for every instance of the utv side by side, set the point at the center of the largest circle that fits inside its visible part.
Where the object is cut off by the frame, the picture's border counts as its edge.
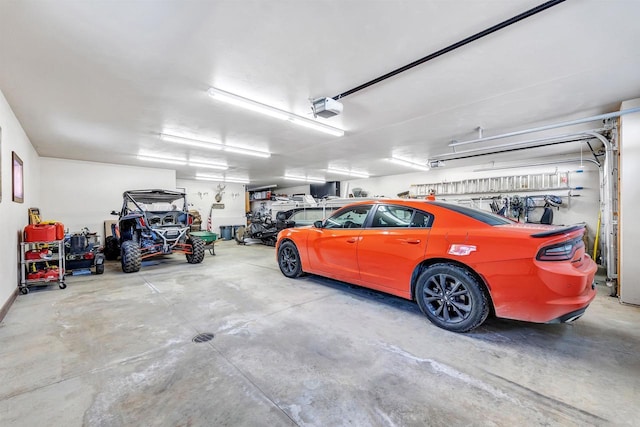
(153, 223)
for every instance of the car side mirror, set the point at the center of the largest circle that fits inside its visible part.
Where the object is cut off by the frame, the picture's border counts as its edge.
(114, 213)
(317, 224)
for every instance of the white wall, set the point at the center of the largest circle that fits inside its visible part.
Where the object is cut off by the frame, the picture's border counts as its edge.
(82, 194)
(629, 205)
(201, 194)
(14, 216)
(583, 207)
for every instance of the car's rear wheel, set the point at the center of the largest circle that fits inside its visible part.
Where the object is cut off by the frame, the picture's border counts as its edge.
(289, 260)
(197, 250)
(451, 298)
(131, 257)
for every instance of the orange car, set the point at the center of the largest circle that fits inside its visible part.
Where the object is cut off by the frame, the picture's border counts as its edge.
(458, 263)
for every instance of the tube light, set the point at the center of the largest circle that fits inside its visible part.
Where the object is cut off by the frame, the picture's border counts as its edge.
(348, 173)
(237, 180)
(162, 160)
(304, 179)
(202, 177)
(247, 151)
(210, 145)
(304, 122)
(409, 163)
(270, 111)
(210, 177)
(208, 165)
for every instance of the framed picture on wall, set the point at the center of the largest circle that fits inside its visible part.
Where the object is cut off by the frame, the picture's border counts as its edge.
(18, 178)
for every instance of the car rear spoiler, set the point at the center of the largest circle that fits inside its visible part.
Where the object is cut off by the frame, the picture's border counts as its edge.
(561, 230)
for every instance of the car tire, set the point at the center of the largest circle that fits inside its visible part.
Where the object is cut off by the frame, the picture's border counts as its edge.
(197, 250)
(289, 260)
(451, 298)
(111, 248)
(131, 258)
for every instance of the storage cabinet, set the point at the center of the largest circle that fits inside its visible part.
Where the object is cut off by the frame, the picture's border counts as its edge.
(41, 263)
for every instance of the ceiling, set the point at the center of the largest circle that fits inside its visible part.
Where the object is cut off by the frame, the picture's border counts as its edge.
(100, 80)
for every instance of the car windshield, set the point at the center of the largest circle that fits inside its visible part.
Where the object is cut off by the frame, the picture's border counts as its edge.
(477, 214)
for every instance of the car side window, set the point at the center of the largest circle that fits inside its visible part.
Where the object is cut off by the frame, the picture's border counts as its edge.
(392, 216)
(421, 220)
(400, 216)
(352, 217)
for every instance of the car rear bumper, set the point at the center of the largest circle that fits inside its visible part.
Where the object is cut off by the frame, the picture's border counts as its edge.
(554, 292)
(569, 317)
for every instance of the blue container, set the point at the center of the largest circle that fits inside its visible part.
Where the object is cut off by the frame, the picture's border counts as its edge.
(226, 231)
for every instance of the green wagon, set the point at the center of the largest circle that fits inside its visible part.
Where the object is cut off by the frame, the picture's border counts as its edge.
(209, 239)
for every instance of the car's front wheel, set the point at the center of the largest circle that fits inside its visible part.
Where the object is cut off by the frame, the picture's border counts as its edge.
(289, 260)
(451, 298)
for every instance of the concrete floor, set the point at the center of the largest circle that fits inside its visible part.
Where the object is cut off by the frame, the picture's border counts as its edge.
(117, 350)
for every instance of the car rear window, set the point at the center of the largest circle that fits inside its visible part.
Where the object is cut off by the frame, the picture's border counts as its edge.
(482, 216)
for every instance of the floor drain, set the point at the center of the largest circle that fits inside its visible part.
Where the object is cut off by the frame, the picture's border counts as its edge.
(204, 337)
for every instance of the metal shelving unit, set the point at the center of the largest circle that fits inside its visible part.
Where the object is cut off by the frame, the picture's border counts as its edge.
(56, 261)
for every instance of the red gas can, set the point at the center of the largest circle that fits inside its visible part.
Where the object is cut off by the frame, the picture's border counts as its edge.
(39, 233)
(59, 228)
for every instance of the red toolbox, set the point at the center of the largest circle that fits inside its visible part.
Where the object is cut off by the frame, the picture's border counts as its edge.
(39, 233)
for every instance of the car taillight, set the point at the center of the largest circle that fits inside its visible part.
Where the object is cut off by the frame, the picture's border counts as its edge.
(142, 223)
(561, 251)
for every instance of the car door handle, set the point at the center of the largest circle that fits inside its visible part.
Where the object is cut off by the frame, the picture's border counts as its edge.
(352, 240)
(411, 241)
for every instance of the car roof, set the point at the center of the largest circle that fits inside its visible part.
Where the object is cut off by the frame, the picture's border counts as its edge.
(451, 210)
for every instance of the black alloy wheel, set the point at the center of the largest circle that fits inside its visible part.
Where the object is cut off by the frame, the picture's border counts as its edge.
(289, 260)
(451, 298)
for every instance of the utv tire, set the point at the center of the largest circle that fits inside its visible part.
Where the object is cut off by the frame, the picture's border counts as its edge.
(240, 232)
(289, 260)
(197, 250)
(130, 257)
(111, 248)
(451, 297)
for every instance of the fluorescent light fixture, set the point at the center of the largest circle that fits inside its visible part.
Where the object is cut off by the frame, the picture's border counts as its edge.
(208, 165)
(209, 177)
(270, 111)
(301, 121)
(247, 104)
(181, 162)
(209, 145)
(263, 187)
(409, 163)
(348, 173)
(247, 151)
(237, 180)
(203, 177)
(304, 179)
(213, 145)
